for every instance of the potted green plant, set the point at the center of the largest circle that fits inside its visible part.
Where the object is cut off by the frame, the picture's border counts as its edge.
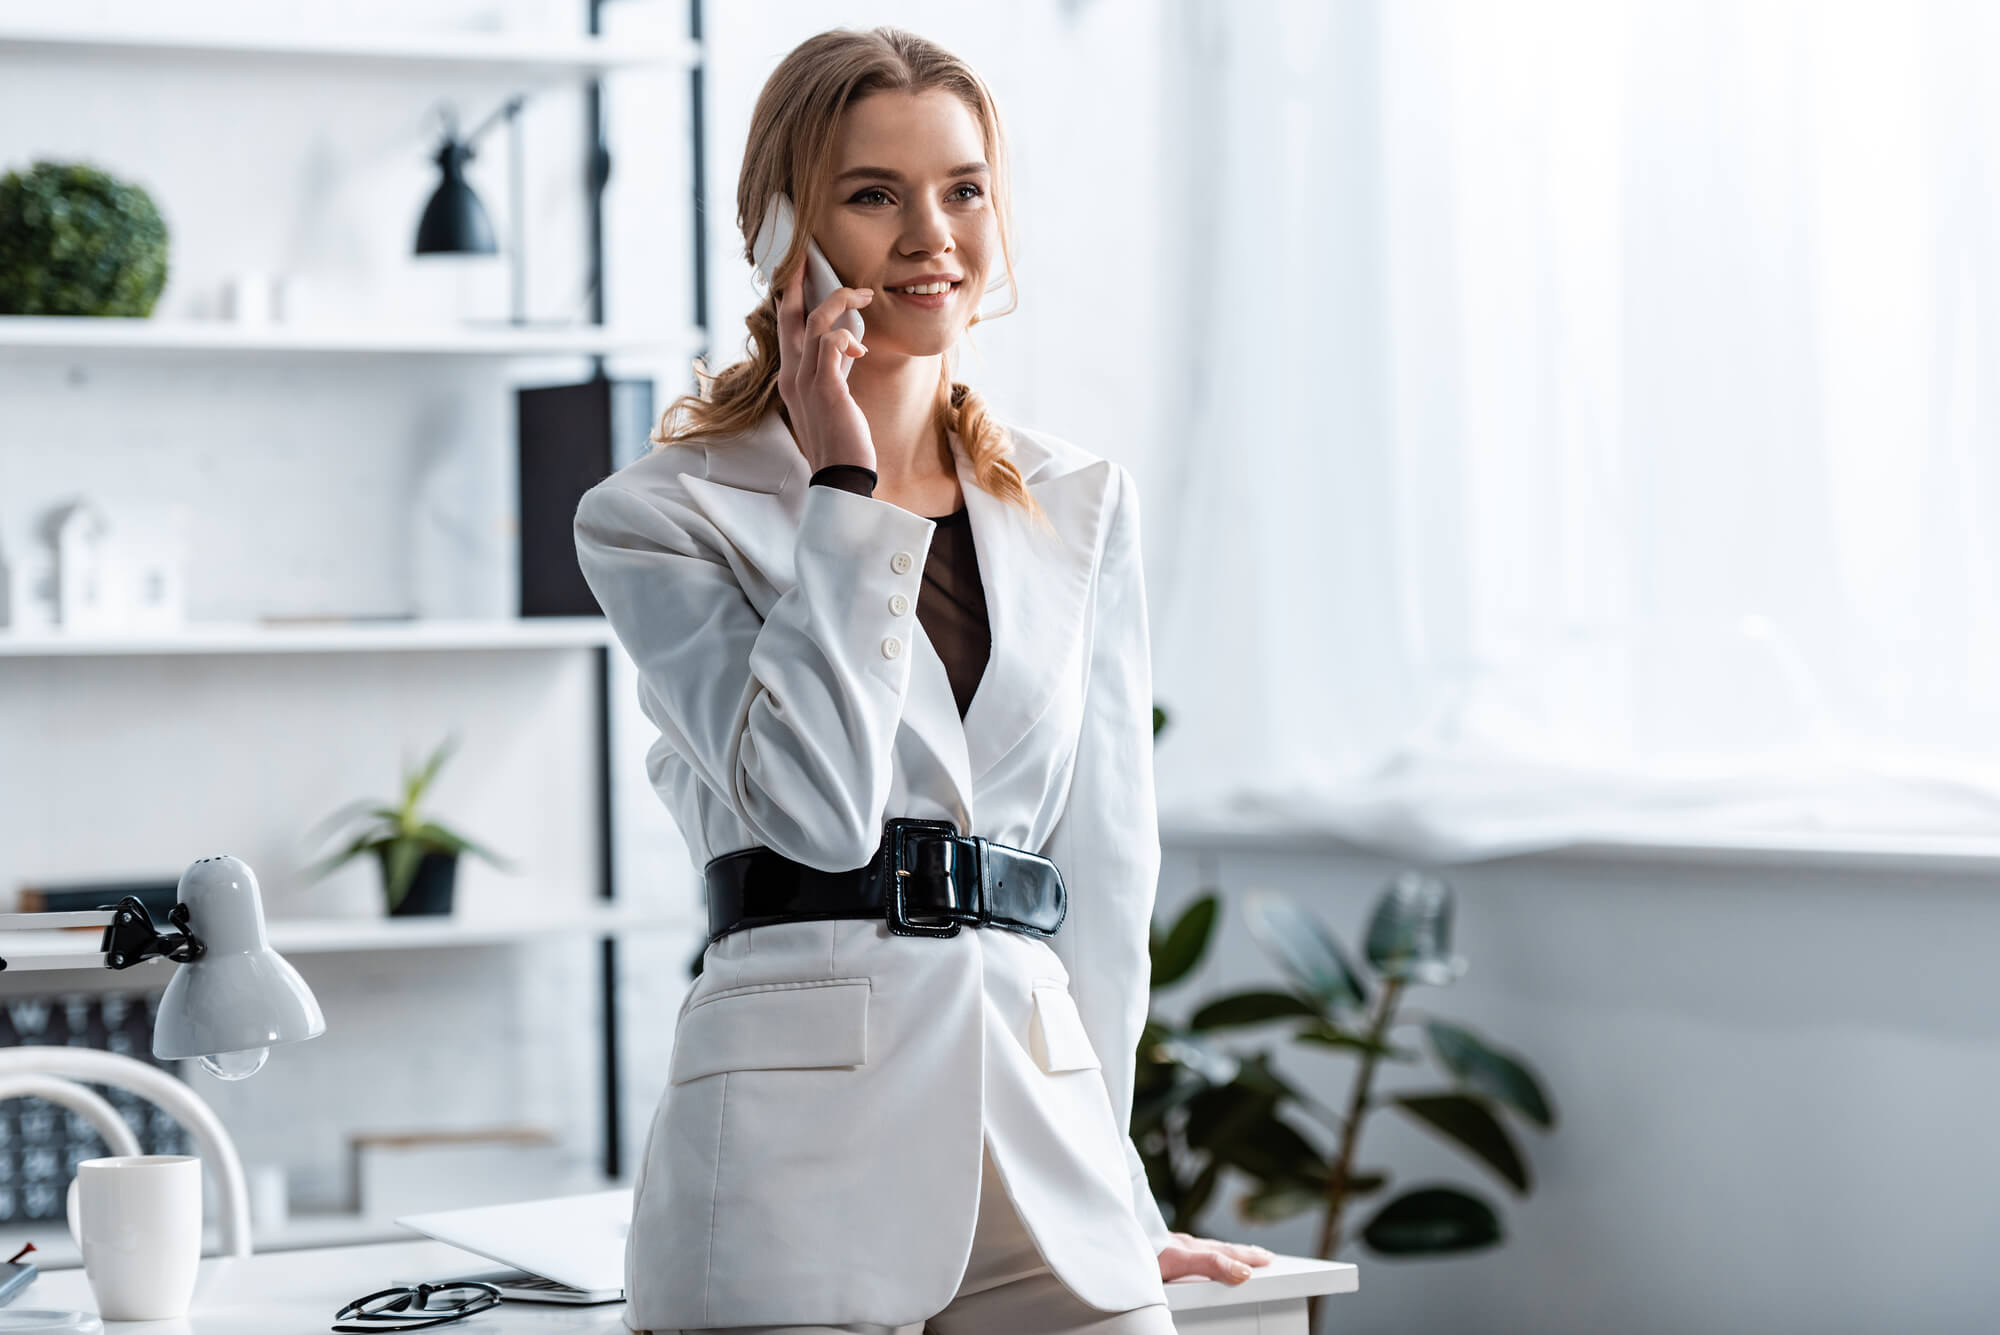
(77, 241)
(1202, 1105)
(418, 856)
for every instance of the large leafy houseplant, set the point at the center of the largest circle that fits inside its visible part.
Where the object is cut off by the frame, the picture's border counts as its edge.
(1201, 1105)
(77, 241)
(398, 834)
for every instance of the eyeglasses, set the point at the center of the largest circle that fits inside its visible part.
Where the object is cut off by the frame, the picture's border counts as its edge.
(414, 1309)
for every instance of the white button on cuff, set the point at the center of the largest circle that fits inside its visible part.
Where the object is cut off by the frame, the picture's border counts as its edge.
(891, 647)
(900, 563)
(898, 604)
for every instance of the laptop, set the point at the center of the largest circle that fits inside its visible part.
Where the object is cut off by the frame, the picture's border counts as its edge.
(566, 1249)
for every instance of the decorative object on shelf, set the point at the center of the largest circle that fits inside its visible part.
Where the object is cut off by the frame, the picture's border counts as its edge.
(456, 223)
(159, 897)
(75, 240)
(1199, 1108)
(571, 438)
(408, 1170)
(419, 857)
(255, 298)
(120, 565)
(27, 585)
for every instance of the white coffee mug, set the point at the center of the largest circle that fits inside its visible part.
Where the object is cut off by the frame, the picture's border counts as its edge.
(137, 1219)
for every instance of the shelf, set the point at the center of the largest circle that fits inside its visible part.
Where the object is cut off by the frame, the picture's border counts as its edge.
(327, 936)
(123, 334)
(222, 637)
(513, 56)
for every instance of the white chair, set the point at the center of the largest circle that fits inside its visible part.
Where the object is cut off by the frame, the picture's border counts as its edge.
(53, 1073)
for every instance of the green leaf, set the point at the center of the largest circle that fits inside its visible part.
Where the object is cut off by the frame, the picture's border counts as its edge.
(1366, 1182)
(333, 862)
(417, 784)
(1250, 1008)
(350, 812)
(1468, 1121)
(1151, 1103)
(1210, 1063)
(1409, 934)
(1222, 1113)
(450, 842)
(1305, 949)
(1487, 1070)
(1333, 1036)
(1265, 1146)
(1432, 1220)
(1254, 1073)
(1184, 944)
(1199, 1193)
(1277, 1201)
(1159, 720)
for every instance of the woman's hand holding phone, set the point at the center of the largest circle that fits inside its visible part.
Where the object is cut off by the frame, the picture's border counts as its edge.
(813, 358)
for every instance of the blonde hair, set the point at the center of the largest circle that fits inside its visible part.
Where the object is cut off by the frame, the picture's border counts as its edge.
(790, 150)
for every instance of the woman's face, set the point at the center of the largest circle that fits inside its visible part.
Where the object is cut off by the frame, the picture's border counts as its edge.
(909, 201)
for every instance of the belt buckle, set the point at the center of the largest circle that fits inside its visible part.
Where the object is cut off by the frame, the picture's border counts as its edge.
(919, 850)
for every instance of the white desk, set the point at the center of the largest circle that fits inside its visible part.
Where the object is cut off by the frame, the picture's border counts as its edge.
(295, 1293)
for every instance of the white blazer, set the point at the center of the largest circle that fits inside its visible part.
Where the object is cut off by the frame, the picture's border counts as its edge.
(816, 1157)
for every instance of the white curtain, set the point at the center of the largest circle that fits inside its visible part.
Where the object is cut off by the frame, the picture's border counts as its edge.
(1588, 421)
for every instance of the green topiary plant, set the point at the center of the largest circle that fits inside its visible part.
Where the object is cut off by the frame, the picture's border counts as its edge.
(76, 241)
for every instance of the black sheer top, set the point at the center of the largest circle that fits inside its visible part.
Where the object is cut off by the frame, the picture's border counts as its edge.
(951, 603)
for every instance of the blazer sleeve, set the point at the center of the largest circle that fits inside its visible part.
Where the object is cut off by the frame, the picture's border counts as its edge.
(790, 717)
(1106, 843)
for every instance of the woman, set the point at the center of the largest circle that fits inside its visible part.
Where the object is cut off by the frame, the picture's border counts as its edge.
(897, 653)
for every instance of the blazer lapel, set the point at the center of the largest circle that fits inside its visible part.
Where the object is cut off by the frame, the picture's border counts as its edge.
(1037, 585)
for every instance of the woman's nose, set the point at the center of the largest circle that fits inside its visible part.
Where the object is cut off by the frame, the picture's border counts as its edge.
(928, 232)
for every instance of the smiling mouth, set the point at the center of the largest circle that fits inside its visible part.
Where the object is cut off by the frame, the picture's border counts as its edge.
(924, 290)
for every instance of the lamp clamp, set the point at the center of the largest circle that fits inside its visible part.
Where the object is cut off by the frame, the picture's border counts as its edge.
(131, 937)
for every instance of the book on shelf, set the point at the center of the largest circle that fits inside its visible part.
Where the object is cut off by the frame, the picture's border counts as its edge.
(82, 896)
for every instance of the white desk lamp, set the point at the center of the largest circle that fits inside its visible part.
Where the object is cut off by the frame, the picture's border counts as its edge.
(230, 1002)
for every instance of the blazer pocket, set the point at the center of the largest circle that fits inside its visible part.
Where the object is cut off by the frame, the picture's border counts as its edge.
(1056, 1038)
(773, 1025)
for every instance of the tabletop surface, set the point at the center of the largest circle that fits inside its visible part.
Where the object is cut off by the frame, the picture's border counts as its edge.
(278, 1293)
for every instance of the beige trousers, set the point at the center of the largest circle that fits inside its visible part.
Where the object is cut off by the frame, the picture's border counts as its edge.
(1008, 1290)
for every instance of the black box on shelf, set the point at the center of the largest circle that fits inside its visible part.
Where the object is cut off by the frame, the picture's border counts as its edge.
(572, 437)
(81, 896)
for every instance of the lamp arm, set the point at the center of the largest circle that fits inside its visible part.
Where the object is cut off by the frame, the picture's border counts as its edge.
(211, 1138)
(507, 110)
(129, 936)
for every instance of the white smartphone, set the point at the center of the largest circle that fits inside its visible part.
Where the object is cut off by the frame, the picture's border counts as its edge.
(774, 238)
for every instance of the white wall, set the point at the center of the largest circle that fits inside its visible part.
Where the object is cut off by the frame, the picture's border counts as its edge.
(1773, 1085)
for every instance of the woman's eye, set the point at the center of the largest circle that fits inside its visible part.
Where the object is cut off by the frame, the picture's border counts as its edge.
(875, 194)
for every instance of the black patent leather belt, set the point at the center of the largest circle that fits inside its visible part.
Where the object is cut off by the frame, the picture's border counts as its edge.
(926, 879)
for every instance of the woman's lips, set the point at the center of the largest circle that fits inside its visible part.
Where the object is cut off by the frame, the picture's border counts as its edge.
(934, 301)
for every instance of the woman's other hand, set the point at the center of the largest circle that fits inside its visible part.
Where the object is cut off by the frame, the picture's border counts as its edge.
(826, 421)
(1230, 1262)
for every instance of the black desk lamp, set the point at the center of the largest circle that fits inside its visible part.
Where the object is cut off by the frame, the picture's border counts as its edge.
(456, 223)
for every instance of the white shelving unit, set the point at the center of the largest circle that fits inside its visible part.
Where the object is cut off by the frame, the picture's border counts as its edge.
(219, 637)
(69, 334)
(525, 62)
